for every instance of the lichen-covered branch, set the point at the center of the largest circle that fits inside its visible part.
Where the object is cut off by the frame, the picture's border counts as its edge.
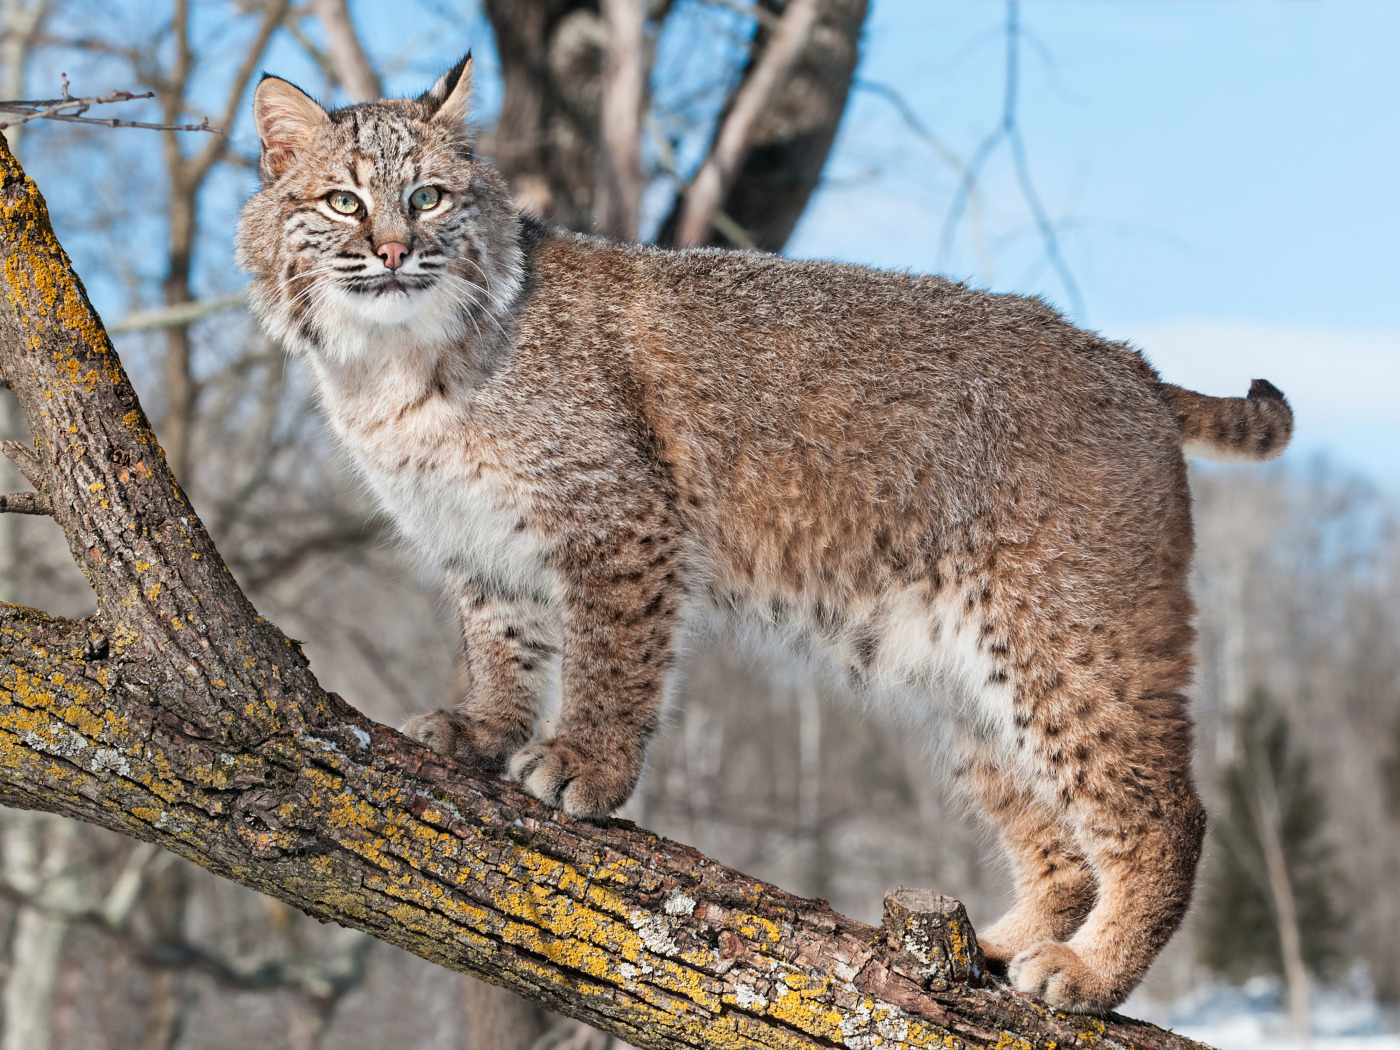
(177, 715)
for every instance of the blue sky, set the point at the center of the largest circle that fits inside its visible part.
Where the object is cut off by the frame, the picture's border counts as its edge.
(1222, 174)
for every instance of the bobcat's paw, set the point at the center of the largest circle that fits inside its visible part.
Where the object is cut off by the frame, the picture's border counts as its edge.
(997, 953)
(1054, 972)
(1004, 939)
(578, 781)
(458, 738)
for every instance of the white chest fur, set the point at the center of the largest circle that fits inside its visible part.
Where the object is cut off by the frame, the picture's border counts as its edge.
(451, 498)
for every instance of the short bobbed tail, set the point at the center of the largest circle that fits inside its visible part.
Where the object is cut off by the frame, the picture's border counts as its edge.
(1232, 429)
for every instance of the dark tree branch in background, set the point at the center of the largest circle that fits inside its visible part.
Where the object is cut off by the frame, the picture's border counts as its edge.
(618, 198)
(179, 716)
(756, 93)
(546, 138)
(568, 113)
(792, 137)
(1009, 129)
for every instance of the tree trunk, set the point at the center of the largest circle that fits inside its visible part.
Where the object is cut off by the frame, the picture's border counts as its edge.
(788, 145)
(176, 715)
(498, 1019)
(1268, 822)
(618, 197)
(546, 139)
(765, 78)
(37, 862)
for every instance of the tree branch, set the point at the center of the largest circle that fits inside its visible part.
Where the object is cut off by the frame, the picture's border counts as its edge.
(25, 503)
(347, 57)
(273, 14)
(717, 172)
(178, 716)
(1009, 128)
(179, 314)
(25, 462)
(789, 143)
(618, 197)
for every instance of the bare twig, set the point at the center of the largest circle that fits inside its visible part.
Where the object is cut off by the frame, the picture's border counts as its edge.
(25, 503)
(1009, 129)
(179, 314)
(946, 154)
(72, 110)
(316, 53)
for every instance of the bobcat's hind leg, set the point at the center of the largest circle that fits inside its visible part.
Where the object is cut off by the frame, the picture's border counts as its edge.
(510, 647)
(1115, 749)
(1143, 842)
(1055, 886)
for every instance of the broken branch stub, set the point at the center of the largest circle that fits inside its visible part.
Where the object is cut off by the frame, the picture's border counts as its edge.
(933, 939)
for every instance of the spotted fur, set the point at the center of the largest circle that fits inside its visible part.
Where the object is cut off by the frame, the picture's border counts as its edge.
(965, 506)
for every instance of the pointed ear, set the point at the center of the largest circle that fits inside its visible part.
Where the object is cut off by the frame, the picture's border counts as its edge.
(286, 118)
(449, 100)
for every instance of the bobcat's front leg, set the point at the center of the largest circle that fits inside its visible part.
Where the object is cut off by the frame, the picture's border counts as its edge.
(509, 643)
(622, 596)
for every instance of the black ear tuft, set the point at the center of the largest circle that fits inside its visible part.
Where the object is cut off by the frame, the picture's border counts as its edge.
(450, 97)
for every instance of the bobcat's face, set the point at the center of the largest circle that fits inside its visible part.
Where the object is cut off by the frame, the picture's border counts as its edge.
(386, 241)
(375, 220)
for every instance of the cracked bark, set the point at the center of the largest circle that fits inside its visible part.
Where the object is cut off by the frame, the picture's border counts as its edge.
(178, 716)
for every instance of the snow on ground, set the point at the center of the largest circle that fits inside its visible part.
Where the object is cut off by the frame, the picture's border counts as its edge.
(1251, 1018)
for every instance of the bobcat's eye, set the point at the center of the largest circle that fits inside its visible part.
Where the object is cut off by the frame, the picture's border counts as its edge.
(343, 202)
(425, 198)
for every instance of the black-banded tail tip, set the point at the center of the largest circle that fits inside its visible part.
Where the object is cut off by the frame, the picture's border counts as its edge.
(1261, 389)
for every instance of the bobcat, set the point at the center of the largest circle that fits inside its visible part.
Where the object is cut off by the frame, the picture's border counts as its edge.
(971, 508)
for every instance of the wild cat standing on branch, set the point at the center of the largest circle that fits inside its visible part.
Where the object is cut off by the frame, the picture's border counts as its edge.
(975, 511)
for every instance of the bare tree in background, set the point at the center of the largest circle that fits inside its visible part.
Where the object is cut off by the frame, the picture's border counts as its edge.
(1300, 598)
(575, 111)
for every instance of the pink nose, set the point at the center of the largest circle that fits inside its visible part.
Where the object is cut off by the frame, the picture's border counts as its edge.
(392, 252)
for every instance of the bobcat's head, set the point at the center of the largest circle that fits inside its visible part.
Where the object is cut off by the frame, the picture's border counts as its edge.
(376, 222)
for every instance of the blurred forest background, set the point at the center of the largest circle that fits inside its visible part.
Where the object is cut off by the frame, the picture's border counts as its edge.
(678, 122)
